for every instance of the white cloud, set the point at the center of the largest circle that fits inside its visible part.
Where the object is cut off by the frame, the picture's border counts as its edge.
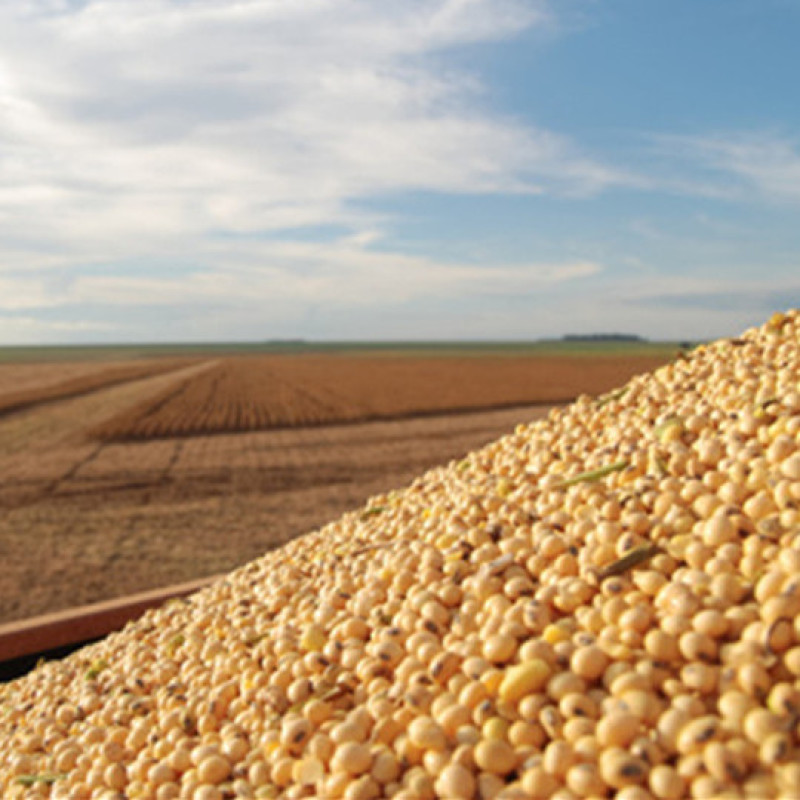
(202, 134)
(28, 329)
(205, 132)
(130, 124)
(18, 293)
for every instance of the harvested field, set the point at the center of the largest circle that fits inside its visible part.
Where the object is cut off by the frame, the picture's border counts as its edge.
(258, 393)
(27, 385)
(84, 519)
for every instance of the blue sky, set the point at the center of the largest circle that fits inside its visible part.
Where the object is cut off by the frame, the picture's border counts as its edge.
(197, 170)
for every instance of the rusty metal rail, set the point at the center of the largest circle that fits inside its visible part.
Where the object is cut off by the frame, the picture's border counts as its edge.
(23, 642)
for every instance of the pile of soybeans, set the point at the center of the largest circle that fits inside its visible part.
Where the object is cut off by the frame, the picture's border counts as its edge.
(602, 604)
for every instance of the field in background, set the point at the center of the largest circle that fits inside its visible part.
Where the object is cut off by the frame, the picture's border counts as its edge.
(96, 504)
(238, 394)
(81, 354)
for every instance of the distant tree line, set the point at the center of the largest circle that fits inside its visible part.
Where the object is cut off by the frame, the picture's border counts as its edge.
(603, 337)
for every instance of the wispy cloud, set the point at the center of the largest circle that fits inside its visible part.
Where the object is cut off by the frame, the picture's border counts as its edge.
(344, 278)
(20, 329)
(701, 306)
(659, 306)
(733, 165)
(347, 273)
(708, 297)
(353, 292)
(249, 288)
(18, 292)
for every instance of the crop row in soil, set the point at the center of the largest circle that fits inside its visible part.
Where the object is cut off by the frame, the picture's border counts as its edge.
(260, 393)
